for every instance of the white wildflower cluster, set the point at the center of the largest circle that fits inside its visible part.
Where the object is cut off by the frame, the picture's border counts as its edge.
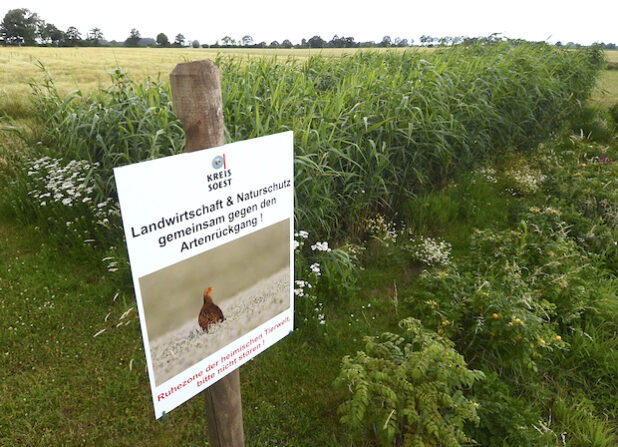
(431, 251)
(302, 289)
(355, 250)
(382, 229)
(551, 211)
(301, 285)
(319, 310)
(103, 210)
(298, 243)
(488, 174)
(320, 246)
(525, 180)
(68, 184)
(315, 269)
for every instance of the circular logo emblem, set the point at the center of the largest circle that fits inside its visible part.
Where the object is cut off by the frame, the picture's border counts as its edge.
(217, 162)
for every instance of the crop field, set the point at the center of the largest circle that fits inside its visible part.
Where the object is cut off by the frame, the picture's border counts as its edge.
(612, 55)
(456, 268)
(88, 68)
(606, 94)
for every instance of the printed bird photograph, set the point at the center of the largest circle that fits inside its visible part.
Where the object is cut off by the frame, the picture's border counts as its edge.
(200, 305)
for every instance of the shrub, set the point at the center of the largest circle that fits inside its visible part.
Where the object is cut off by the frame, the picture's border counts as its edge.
(579, 174)
(408, 389)
(505, 419)
(495, 319)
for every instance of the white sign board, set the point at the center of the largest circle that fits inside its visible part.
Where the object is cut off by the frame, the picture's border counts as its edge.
(209, 235)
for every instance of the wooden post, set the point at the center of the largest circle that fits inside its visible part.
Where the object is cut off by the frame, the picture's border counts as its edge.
(196, 97)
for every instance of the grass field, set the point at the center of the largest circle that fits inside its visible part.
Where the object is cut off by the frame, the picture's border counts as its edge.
(505, 261)
(606, 93)
(87, 68)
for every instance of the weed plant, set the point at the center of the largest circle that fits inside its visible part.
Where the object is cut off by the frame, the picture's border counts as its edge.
(320, 271)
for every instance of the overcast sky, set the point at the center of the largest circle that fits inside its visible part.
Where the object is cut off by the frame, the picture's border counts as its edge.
(578, 21)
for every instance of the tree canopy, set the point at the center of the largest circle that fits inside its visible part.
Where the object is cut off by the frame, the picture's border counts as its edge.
(162, 40)
(72, 35)
(23, 27)
(133, 39)
(179, 40)
(20, 27)
(95, 36)
(50, 35)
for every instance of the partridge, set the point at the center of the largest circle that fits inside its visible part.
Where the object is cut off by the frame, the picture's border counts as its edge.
(210, 313)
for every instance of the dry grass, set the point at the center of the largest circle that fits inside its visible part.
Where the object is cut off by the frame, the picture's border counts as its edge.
(612, 55)
(87, 68)
(606, 92)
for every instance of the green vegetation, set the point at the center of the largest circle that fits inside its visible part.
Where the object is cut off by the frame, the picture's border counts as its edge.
(467, 289)
(444, 111)
(408, 389)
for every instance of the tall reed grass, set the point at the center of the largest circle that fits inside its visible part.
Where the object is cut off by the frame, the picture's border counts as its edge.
(371, 129)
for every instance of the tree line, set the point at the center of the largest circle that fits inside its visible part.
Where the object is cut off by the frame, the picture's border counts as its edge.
(21, 27)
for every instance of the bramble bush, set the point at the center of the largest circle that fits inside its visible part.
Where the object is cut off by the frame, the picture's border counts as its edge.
(494, 318)
(516, 294)
(505, 418)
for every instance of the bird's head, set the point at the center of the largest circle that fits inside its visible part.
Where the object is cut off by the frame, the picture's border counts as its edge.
(207, 294)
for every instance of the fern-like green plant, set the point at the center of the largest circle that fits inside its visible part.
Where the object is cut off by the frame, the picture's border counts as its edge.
(407, 389)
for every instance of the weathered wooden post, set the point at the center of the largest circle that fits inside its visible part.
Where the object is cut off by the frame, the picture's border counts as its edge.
(196, 97)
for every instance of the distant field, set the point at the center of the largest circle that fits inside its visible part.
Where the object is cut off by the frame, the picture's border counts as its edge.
(606, 93)
(607, 89)
(87, 68)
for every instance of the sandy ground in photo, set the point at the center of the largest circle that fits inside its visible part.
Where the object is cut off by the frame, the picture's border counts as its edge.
(182, 348)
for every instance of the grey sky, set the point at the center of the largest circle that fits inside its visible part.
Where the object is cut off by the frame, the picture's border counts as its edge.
(207, 21)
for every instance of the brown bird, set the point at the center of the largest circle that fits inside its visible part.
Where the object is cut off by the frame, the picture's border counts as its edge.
(210, 313)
